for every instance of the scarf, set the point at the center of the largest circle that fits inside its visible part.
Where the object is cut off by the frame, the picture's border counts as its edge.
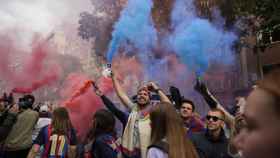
(137, 134)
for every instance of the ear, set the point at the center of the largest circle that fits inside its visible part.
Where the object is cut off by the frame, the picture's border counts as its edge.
(223, 124)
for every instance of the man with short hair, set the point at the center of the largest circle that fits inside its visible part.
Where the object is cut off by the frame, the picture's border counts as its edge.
(191, 121)
(137, 133)
(19, 141)
(212, 143)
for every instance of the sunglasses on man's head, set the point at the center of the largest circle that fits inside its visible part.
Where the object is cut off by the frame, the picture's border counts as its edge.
(214, 118)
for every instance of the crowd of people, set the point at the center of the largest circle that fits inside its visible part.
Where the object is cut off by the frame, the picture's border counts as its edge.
(166, 128)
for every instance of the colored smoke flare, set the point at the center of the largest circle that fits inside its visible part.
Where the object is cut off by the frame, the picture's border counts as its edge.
(87, 84)
(198, 74)
(24, 71)
(22, 90)
(81, 101)
(35, 85)
(199, 42)
(134, 26)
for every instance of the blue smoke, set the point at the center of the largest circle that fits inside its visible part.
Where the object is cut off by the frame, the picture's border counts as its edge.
(135, 27)
(183, 12)
(197, 41)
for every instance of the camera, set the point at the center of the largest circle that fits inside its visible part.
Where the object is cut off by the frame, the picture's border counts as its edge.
(107, 70)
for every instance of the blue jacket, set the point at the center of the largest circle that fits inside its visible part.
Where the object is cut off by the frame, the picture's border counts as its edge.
(105, 146)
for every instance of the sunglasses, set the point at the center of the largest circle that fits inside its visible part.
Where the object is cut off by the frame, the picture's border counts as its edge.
(214, 118)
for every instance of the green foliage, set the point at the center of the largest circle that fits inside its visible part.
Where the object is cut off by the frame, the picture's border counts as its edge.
(267, 11)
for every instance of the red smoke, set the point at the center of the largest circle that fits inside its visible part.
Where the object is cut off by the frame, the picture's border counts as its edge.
(26, 72)
(83, 102)
(128, 66)
(87, 84)
(7, 52)
(105, 84)
(130, 69)
(37, 72)
(36, 84)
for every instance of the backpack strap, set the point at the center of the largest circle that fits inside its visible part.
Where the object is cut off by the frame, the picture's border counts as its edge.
(162, 145)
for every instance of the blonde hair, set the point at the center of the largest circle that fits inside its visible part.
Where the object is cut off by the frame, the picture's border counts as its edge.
(220, 111)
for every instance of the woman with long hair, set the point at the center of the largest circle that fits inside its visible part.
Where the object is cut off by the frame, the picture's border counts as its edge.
(59, 138)
(168, 137)
(101, 140)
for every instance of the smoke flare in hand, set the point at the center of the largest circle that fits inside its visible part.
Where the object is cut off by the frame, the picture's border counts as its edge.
(87, 84)
(81, 101)
(35, 85)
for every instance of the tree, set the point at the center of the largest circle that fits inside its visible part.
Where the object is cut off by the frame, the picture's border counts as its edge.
(267, 12)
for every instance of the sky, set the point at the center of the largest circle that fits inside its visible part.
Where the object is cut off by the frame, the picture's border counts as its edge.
(26, 17)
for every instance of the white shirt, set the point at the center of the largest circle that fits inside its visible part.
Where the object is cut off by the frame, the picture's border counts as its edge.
(156, 153)
(42, 122)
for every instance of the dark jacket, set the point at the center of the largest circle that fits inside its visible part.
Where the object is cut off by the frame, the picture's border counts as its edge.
(105, 146)
(209, 148)
(8, 120)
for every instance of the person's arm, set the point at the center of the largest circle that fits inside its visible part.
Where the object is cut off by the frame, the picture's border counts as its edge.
(201, 88)
(176, 96)
(213, 102)
(7, 125)
(122, 116)
(120, 92)
(40, 140)
(72, 151)
(8, 122)
(153, 87)
(34, 151)
(229, 119)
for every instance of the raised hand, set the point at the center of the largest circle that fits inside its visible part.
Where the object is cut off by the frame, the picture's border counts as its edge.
(96, 89)
(200, 87)
(14, 109)
(152, 87)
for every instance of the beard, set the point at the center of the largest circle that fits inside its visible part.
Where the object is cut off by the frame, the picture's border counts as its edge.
(143, 103)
